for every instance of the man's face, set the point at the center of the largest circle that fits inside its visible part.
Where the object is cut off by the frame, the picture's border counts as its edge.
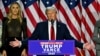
(51, 14)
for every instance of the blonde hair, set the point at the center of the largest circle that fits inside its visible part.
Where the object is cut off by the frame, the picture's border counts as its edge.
(19, 15)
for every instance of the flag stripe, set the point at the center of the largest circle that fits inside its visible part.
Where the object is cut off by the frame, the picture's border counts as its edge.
(28, 32)
(95, 5)
(76, 16)
(87, 27)
(69, 22)
(31, 17)
(1, 15)
(90, 16)
(70, 26)
(39, 12)
(94, 12)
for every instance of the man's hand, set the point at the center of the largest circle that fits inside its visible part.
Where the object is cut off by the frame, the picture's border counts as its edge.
(88, 46)
(24, 52)
(15, 43)
(4, 53)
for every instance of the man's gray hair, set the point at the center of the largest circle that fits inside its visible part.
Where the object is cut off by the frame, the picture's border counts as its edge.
(50, 8)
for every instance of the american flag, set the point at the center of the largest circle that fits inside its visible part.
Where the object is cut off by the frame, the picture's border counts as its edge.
(71, 15)
(98, 2)
(78, 15)
(89, 17)
(31, 12)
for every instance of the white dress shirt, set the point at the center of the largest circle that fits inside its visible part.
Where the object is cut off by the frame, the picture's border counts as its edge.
(49, 27)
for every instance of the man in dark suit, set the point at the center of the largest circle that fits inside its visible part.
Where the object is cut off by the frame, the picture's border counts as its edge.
(61, 32)
(42, 30)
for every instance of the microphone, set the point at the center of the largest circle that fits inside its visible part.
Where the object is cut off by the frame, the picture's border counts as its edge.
(52, 22)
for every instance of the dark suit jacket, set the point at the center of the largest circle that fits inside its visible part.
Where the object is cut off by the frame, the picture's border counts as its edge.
(5, 35)
(41, 33)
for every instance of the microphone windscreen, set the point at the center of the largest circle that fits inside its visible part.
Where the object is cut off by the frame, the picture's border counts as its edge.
(52, 22)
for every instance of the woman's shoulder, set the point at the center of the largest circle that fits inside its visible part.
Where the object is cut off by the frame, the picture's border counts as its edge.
(24, 19)
(4, 19)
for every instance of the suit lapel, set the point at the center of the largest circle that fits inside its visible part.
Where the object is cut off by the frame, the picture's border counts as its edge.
(46, 29)
(58, 30)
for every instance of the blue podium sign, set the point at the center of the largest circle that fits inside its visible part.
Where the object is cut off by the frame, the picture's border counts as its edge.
(51, 47)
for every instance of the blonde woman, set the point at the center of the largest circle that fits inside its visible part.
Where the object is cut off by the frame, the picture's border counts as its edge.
(14, 27)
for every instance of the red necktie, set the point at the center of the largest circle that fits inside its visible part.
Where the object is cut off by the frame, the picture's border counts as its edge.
(52, 33)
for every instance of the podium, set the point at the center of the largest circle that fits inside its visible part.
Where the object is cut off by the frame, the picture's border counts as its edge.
(51, 47)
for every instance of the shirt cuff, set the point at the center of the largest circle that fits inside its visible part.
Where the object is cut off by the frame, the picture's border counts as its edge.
(20, 44)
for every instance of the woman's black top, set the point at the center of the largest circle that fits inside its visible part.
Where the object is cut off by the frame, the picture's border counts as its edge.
(13, 29)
